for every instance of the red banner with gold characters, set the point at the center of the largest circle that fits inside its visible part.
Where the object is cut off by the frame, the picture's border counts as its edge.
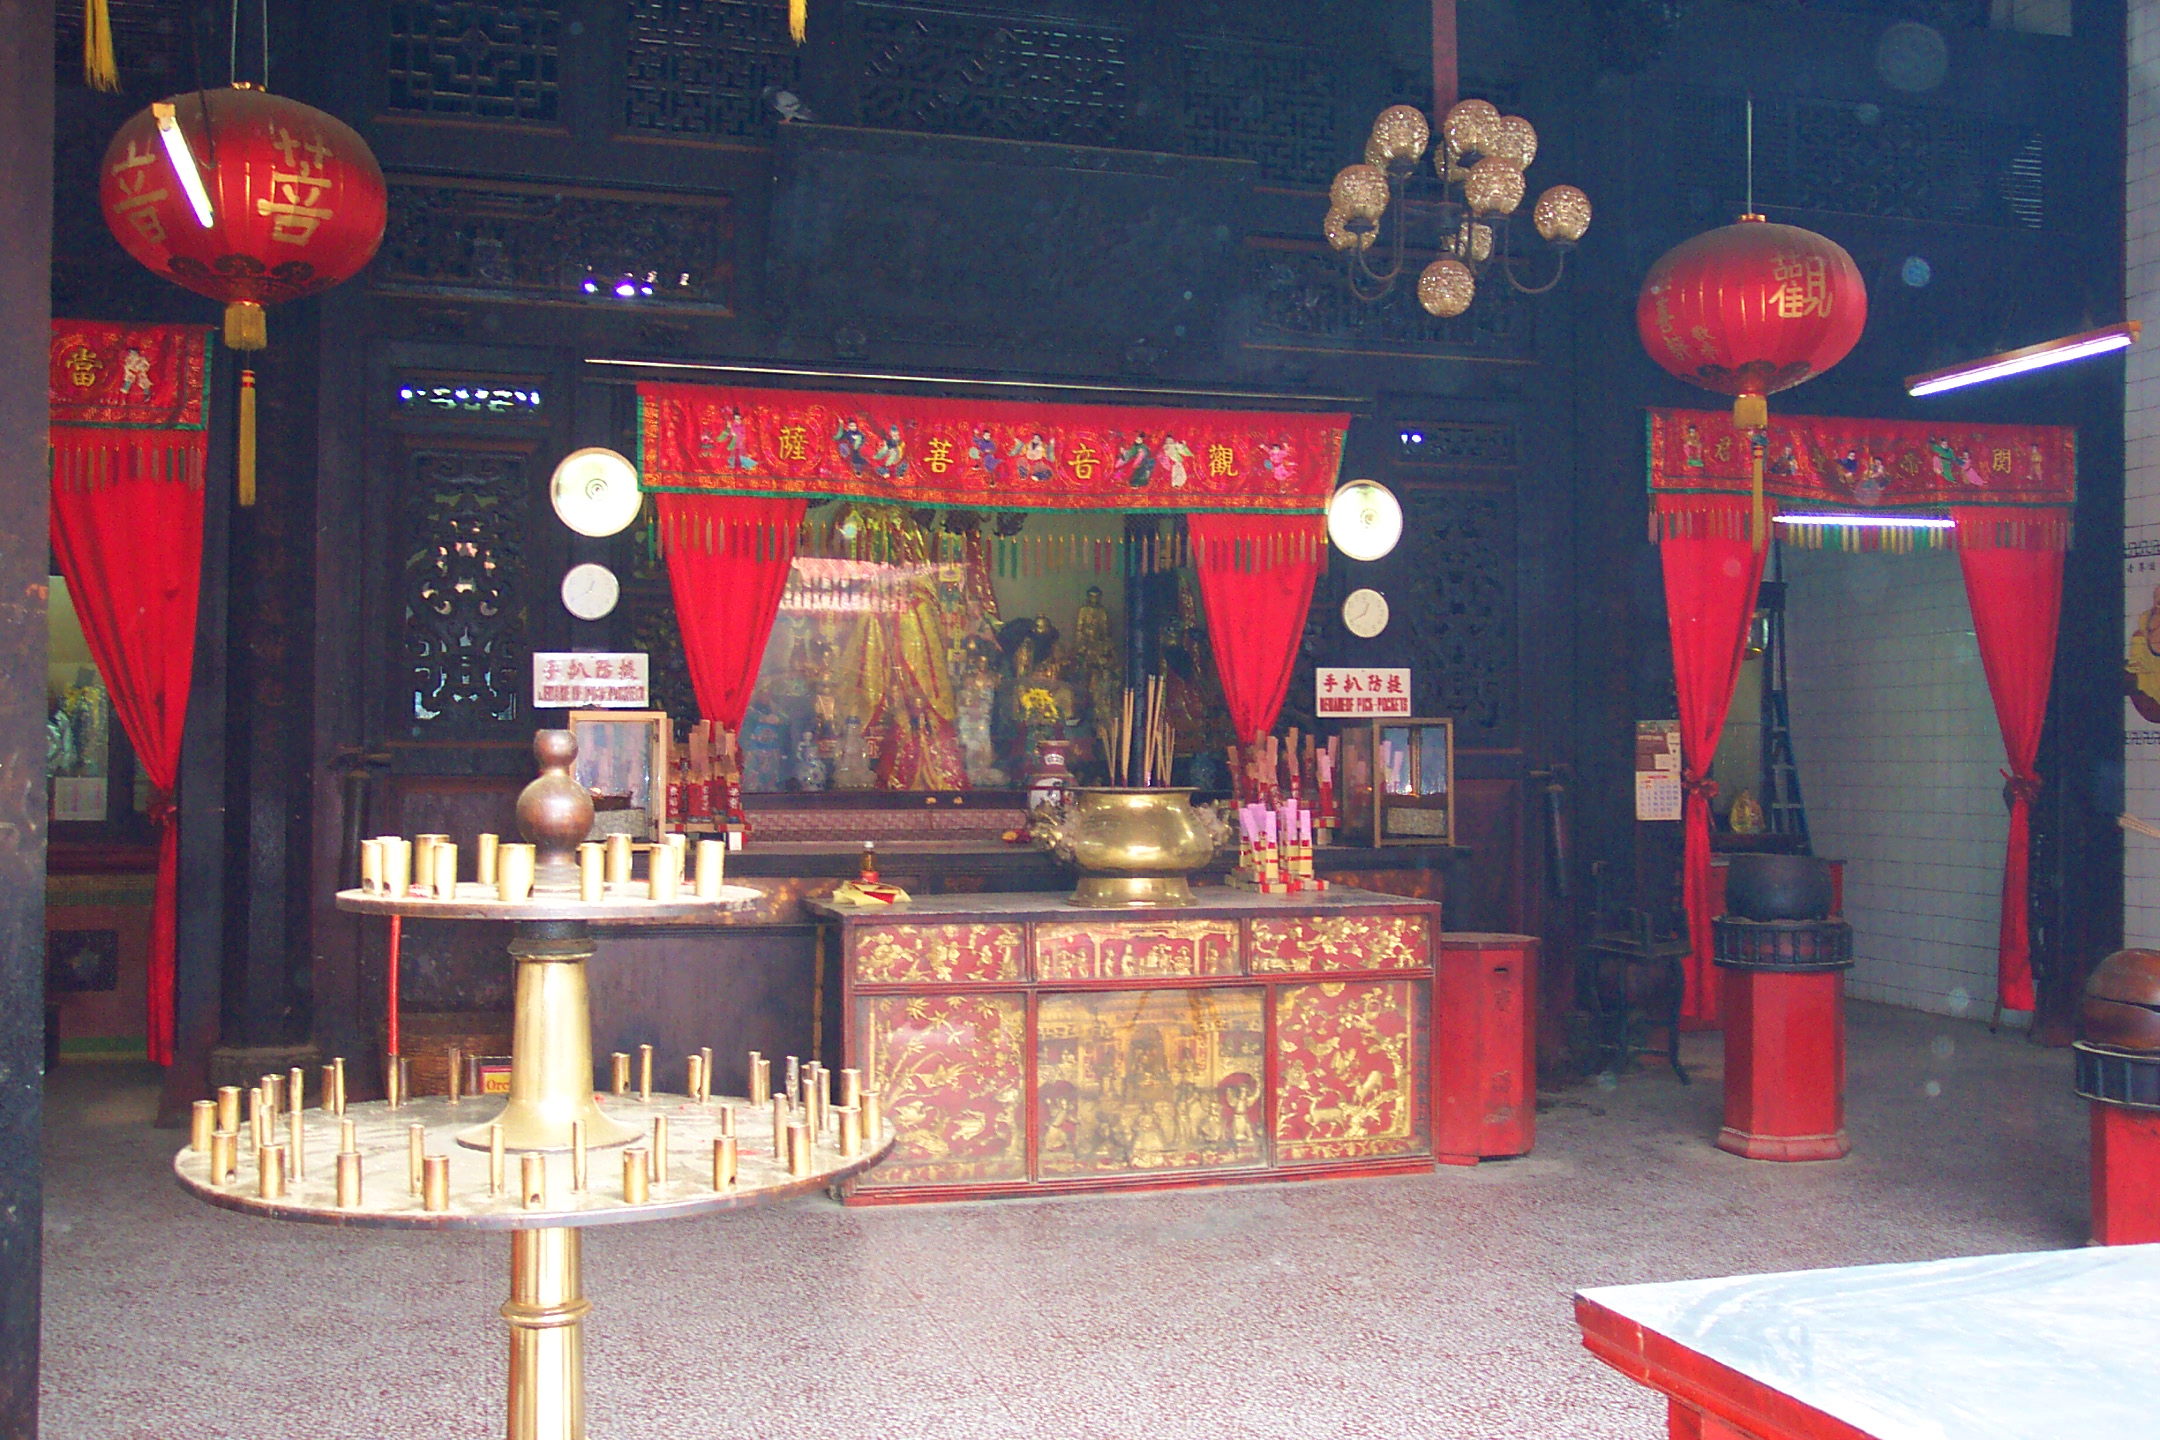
(128, 400)
(989, 454)
(2018, 482)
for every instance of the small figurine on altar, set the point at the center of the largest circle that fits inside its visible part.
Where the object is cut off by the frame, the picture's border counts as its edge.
(978, 687)
(1094, 657)
(765, 750)
(854, 772)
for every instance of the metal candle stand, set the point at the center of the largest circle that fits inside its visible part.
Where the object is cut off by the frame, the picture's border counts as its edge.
(464, 1164)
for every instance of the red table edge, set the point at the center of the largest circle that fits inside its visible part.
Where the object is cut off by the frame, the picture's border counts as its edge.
(1667, 1366)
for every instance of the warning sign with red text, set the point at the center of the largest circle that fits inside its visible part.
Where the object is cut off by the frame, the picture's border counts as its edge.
(1350, 692)
(583, 681)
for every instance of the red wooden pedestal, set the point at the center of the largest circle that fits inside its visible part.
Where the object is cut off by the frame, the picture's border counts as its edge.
(1784, 1064)
(1484, 1053)
(2125, 1174)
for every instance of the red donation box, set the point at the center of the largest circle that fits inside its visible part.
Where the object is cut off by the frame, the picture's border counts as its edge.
(1484, 1053)
(2118, 1071)
(1784, 1010)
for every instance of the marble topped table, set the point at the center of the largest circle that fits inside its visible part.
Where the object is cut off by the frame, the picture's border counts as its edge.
(2042, 1346)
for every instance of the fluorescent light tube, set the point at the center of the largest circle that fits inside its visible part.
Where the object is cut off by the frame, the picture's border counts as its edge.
(1871, 522)
(2032, 357)
(183, 162)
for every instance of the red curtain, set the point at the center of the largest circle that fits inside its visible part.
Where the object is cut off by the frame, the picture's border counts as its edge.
(727, 559)
(131, 550)
(1256, 579)
(1710, 585)
(2016, 600)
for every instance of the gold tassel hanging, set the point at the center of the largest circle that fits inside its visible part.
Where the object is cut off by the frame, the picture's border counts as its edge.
(244, 462)
(798, 20)
(1751, 417)
(100, 70)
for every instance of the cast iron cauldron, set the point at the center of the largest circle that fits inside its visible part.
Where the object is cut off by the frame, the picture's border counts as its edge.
(1778, 887)
(2122, 1002)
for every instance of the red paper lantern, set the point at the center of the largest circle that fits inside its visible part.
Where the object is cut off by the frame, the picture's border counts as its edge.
(1752, 309)
(296, 205)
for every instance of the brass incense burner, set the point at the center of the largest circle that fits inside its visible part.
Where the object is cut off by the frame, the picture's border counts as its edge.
(1135, 848)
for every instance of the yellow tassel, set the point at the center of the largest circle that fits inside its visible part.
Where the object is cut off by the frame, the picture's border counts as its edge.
(798, 20)
(244, 463)
(100, 70)
(246, 328)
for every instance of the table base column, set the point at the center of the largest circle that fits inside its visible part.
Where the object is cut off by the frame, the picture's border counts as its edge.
(2125, 1174)
(546, 1311)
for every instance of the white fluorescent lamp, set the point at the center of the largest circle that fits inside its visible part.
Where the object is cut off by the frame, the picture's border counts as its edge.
(1872, 522)
(2033, 357)
(183, 161)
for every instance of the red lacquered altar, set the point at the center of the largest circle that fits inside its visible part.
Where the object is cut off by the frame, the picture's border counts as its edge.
(1026, 1046)
(1485, 1047)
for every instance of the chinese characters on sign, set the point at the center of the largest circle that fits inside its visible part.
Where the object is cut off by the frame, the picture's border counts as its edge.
(590, 682)
(1657, 770)
(1361, 691)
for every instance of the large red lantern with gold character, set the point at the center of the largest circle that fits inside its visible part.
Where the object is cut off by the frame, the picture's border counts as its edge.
(246, 197)
(1749, 310)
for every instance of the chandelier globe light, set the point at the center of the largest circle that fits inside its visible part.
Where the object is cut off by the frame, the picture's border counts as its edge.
(1462, 214)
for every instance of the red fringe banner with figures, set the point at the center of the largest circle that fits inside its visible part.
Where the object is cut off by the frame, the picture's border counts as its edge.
(2004, 487)
(128, 401)
(987, 454)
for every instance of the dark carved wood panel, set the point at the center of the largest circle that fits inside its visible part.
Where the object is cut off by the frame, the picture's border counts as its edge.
(1302, 301)
(1456, 595)
(530, 242)
(1907, 162)
(702, 67)
(452, 59)
(1459, 443)
(1271, 104)
(463, 588)
(954, 73)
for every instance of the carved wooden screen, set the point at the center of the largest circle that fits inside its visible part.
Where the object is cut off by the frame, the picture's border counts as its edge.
(462, 592)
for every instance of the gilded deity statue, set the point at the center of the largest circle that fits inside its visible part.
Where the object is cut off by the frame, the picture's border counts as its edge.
(1094, 659)
(1043, 706)
(895, 674)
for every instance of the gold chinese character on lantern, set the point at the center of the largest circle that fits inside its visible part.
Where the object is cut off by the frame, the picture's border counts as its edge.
(793, 444)
(1803, 285)
(298, 208)
(937, 455)
(1220, 460)
(131, 173)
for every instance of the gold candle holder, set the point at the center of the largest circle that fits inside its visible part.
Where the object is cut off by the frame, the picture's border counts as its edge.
(694, 1078)
(780, 1118)
(228, 1107)
(532, 1181)
(711, 869)
(202, 1124)
(486, 851)
(371, 866)
(847, 1125)
(514, 872)
(348, 1136)
(495, 1159)
(636, 1178)
(619, 1072)
(618, 859)
(724, 1161)
(435, 1184)
(592, 872)
(454, 1070)
(224, 1156)
(270, 1172)
(664, 872)
(659, 1150)
(348, 1180)
(445, 869)
(760, 1081)
(705, 1072)
(794, 1081)
(273, 1091)
(256, 1134)
(577, 1156)
(296, 1136)
(798, 1149)
(873, 1118)
(423, 862)
(397, 865)
(296, 1089)
(644, 1074)
(337, 1084)
(727, 1120)
(851, 1086)
(415, 1155)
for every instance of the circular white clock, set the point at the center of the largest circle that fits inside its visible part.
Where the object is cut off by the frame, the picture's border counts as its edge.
(1364, 519)
(1364, 613)
(589, 591)
(595, 491)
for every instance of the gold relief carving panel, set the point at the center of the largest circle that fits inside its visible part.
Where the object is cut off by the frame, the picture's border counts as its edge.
(1351, 1067)
(1135, 949)
(936, 954)
(1150, 1081)
(1340, 942)
(953, 1068)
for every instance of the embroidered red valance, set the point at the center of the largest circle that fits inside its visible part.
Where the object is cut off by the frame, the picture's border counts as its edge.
(989, 454)
(128, 401)
(2005, 486)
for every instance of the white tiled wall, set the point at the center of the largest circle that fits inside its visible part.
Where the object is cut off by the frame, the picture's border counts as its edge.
(2141, 438)
(1900, 762)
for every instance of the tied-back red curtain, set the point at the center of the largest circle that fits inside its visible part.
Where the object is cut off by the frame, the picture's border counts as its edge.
(130, 548)
(2016, 600)
(727, 559)
(1711, 581)
(1256, 577)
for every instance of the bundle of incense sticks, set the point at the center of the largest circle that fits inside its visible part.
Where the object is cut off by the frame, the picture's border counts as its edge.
(1138, 748)
(1298, 767)
(1275, 849)
(705, 792)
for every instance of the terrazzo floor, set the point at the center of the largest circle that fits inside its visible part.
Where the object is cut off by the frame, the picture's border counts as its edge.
(1433, 1305)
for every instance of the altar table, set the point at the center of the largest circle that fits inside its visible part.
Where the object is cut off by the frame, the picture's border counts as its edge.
(1027, 1046)
(2044, 1346)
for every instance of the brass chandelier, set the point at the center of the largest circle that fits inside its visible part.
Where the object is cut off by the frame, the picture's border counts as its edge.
(1479, 167)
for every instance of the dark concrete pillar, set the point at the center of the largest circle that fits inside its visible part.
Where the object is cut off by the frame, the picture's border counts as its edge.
(26, 142)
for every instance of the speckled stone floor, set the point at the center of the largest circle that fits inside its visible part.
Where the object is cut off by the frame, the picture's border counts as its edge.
(1429, 1306)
